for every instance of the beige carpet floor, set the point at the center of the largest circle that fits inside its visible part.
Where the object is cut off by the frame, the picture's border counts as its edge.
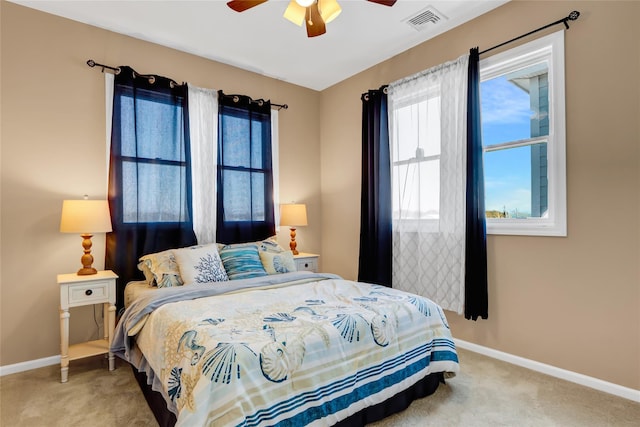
(486, 392)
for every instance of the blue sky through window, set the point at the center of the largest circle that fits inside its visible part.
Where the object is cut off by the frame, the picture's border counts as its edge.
(506, 116)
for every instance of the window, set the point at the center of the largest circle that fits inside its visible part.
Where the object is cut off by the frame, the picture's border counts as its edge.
(523, 132)
(416, 160)
(245, 176)
(150, 152)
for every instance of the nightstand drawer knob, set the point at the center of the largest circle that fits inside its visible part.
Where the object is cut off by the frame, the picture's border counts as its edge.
(306, 265)
(88, 292)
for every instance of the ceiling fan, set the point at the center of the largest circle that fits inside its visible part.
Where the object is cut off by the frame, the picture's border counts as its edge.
(315, 13)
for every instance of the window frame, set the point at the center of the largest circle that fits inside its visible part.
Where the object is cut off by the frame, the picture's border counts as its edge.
(238, 228)
(549, 48)
(124, 92)
(414, 224)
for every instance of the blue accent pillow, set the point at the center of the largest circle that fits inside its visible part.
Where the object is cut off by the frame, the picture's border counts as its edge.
(242, 261)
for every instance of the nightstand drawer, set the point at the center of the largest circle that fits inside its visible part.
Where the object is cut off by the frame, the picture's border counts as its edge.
(306, 262)
(89, 293)
(307, 265)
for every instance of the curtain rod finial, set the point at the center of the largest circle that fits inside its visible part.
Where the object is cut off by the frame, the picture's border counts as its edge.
(573, 15)
(91, 63)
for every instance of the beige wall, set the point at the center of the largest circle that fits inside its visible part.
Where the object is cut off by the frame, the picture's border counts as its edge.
(53, 148)
(569, 302)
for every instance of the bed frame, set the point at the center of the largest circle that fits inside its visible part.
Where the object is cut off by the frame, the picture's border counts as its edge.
(397, 403)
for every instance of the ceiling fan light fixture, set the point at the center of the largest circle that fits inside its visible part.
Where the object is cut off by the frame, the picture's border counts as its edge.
(305, 3)
(329, 10)
(295, 13)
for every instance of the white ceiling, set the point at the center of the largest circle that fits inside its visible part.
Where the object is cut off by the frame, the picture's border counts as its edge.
(263, 41)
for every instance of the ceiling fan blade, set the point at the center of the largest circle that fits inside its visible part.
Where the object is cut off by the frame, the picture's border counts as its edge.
(384, 2)
(315, 23)
(242, 5)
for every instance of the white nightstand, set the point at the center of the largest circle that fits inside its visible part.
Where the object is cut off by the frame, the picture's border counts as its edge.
(306, 262)
(78, 291)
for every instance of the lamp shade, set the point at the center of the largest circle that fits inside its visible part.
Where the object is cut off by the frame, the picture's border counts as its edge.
(329, 10)
(293, 215)
(295, 13)
(85, 216)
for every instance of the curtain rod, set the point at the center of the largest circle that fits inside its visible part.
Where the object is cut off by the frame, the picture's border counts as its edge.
(571, 17)
(91, 63)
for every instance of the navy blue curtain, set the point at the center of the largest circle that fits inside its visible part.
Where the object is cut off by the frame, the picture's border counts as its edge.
(374, 264)
(476, 295)
(245, 175)
(149, 172)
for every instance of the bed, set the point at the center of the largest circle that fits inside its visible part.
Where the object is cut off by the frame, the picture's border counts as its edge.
(287, 348)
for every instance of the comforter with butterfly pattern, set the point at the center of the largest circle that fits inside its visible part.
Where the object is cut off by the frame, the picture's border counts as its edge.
(295, 349)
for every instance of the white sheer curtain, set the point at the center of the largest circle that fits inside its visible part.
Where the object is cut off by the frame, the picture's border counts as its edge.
(203, 129)
(275, 165)
(427, 132)
(108, 109)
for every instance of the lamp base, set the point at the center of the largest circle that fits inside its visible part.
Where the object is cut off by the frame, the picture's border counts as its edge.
(87, 271)
(87, 258)
(292, 243)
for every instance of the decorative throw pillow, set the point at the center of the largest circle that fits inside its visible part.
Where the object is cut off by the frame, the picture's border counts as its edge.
(163, 267)
(149, 279)
(276, 263)
(200, 264)
(270, 245)
(242, 261)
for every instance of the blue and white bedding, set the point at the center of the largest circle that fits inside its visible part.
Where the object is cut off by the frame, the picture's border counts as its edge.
(296, 348)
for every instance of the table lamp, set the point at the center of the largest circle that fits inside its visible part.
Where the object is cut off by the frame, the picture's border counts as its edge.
(85, 217)
(293, 215)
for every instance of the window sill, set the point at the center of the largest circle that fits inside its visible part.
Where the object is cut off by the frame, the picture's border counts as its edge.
(527, 227)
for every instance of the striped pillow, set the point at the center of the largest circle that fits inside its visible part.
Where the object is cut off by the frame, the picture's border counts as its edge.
(242, 261)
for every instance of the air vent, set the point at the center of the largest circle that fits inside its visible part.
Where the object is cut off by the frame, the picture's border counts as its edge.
(426, 16)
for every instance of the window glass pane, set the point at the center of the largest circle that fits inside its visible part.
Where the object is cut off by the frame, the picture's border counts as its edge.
(235, 151)
(416, 162)
(151, 129)
(244, 196)
(257, 128)
(236, 195)
(153, 192)
(243, 135)
(516, 182)
(515, 105)
(258, 193)
(416, 190)
(418, 127)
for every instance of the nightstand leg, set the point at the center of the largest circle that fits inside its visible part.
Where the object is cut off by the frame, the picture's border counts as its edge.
(112, 325)
(105, 320)
(64, 345)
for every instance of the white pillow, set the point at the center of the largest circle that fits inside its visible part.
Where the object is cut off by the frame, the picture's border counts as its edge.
(201, 264)
(276, 263)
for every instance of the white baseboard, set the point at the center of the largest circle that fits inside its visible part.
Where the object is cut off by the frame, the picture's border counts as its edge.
(27, 366)
(574, 377)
